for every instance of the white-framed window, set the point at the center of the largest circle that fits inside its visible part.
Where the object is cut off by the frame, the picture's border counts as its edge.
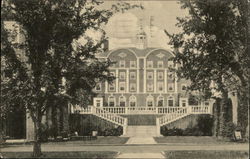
(160, 86)
(111, 101)
(132, 64)
(183, 102)
(160, 75)
(122, 63)
(149, 64)
(206, 103)
(132, 75)
(122, 87)
(160, 64)
(160, 101)
(112, 87)
(150, 101)
(98, 87)
(170, 63)
(170, 87)
(122, 75)
(132, 87)
(122, 101)
(112, 73)
(132, 101)
(170, 101)
(183, 87)
(150, 75)
(170, 75)
(150, 87)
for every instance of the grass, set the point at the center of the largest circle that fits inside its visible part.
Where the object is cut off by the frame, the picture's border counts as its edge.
(100, 140)
(190, 140)
(72, 154)
(206, 154)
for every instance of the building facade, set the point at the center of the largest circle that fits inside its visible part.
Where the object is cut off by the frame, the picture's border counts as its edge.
(144, 78)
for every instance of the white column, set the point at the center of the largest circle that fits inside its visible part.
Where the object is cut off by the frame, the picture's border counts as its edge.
(106, 87)
(137, 77)
(175, 83)
(155, 84)
(145, 76)
(165, 74)
(127, 80)
(116, 81)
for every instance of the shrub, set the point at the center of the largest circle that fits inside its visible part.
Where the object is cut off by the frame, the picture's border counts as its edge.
(205, 124)
(229, 130)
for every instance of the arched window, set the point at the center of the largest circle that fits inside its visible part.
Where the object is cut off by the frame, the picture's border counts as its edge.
(150, 101)
(132, 101)
(111, 101)
(160, 101)
(170, 101)
(122, 101)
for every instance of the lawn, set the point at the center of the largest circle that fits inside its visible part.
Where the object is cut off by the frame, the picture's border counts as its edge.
(206, 154)
(190, 140)
(76, 154)
(100, 140)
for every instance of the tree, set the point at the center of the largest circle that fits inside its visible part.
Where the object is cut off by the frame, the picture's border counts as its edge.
(58, 57)
(213, 49)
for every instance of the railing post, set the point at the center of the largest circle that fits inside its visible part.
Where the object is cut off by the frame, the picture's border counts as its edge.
(125, 126)
(158, 127)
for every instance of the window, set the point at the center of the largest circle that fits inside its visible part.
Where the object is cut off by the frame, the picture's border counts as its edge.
(150, 101)
(160, 86)
(170, 75)
(149, 64)
(132, 64)
(170, 101)
(160, 101)
(122, 86)
(170, 63)
(132, 75)
(150, 87)
(150, 75)
(122, 75)
(160, 64)
(132, 87)
(122, 101)
(111, 101)
(112, 87)
(122, 63)
(183, 102)
(98, 87)
(183, 87)
(170, 87)
(132, 101)
(160, 75)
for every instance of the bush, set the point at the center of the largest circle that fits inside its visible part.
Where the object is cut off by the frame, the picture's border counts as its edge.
(205, 124)
(229, 130)
(171, 132)
(111, 131)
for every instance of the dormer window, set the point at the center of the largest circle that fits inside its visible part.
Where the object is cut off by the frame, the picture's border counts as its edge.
(132, 64)
(122, 63)
(150, 64)
(160, 64)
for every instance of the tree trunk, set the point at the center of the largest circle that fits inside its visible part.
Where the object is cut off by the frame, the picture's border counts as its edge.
(222, 122)
(37, 151)
(216, 113)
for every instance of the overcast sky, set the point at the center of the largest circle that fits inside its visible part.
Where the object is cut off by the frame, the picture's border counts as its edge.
(164, 13)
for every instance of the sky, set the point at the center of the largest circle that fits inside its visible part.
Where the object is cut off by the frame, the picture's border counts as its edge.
(122, 28)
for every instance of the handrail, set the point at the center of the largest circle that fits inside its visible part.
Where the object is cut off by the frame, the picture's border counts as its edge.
(172, 116)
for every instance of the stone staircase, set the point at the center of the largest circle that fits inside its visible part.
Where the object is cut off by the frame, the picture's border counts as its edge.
(141, 131)
(143, 125)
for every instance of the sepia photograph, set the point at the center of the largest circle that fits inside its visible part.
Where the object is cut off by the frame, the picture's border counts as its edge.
(131, 79)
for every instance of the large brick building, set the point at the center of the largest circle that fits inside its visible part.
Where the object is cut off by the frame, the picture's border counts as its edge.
(144, 78)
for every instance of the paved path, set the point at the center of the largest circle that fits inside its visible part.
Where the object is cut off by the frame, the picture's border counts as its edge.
(141, 140)
(141, 155)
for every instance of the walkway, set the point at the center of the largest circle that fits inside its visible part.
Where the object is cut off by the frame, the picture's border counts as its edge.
(141, 140)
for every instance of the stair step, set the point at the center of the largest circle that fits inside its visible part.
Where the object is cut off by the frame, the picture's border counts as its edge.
(140, 131)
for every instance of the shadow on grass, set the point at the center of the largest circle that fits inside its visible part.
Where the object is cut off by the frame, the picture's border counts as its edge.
(71, 154)
(206, 154)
